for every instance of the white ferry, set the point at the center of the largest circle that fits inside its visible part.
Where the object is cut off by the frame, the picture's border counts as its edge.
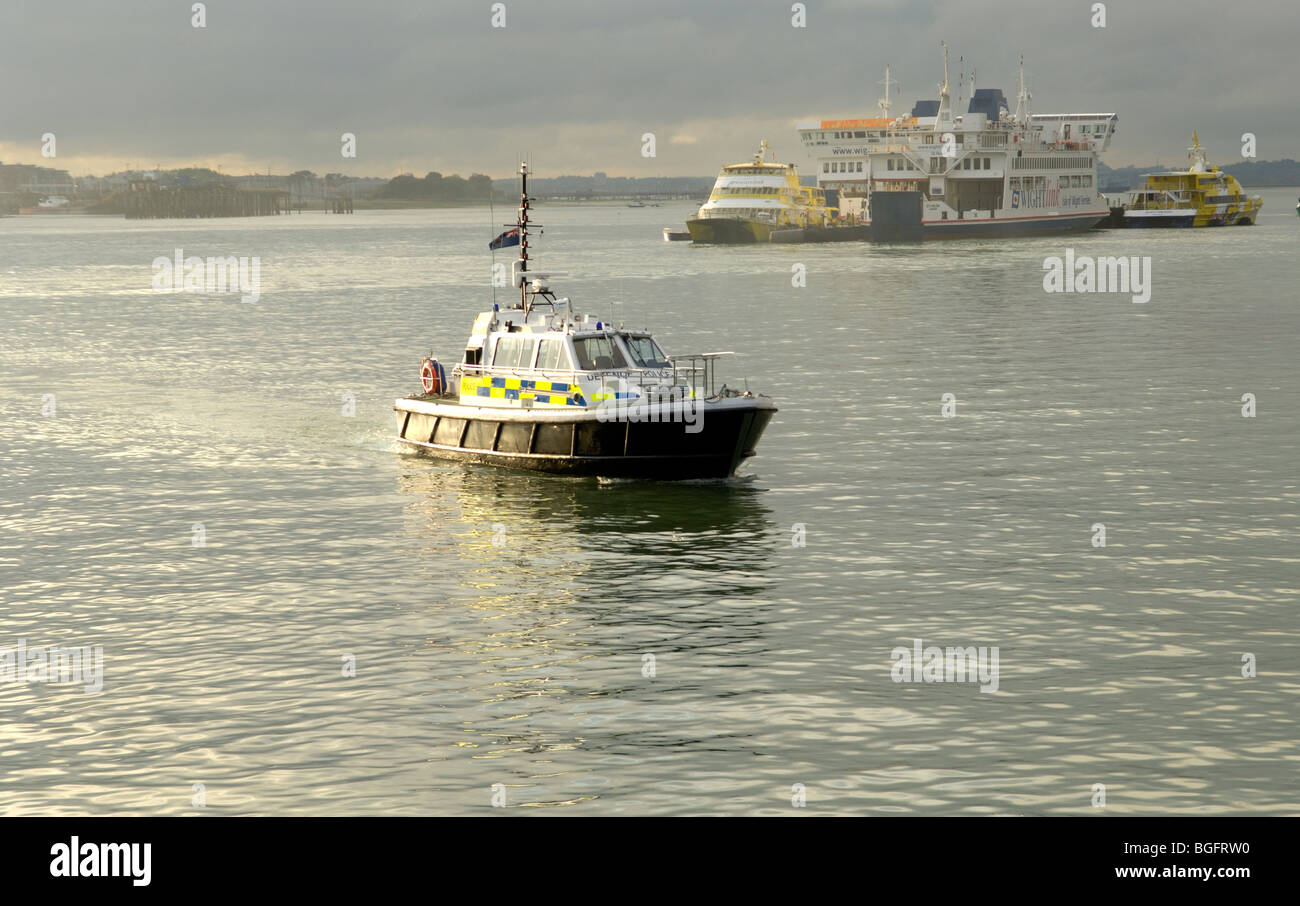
(544, 388)
(967, 168)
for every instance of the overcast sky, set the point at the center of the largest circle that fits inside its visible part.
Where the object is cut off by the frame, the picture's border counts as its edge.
(573, 84)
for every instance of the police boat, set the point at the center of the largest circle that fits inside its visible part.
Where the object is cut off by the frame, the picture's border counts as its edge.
(545, 388)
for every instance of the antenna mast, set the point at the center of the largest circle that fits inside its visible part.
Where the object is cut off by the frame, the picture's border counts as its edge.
(884, 103)
(1022, 98)
(522, 224)
(943, 121)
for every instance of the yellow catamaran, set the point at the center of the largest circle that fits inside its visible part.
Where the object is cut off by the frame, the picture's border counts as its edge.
(1199, 196)
(749, 201)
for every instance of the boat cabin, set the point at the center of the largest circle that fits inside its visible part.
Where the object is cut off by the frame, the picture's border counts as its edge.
(549, 355)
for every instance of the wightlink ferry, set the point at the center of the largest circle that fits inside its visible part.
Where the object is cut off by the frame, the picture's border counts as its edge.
(963, 168)
(752, 200)
(545, 388)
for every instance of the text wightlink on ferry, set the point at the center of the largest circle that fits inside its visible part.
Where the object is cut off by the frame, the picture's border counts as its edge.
(950, 169)
(750, 201)
(544, 388)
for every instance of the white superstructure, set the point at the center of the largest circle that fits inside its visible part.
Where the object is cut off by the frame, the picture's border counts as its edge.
(970, 160)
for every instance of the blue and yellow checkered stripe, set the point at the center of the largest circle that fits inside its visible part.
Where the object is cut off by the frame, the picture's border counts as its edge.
(554, 393)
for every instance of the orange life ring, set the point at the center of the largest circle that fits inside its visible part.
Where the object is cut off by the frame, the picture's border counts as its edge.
(429, 377)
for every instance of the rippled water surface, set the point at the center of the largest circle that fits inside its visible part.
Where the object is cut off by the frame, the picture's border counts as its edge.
(522, 662)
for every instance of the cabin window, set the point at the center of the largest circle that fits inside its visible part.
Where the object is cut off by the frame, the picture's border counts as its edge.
(514, 352)
(859, 166)
(860, 135)
(598, 354)
(890, 165)
(646, 353)
(552, 356)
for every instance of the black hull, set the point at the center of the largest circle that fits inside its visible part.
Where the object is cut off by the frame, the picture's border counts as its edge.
(655, 450)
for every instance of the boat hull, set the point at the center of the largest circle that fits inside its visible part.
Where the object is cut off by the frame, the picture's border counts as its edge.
(580, 444)
(1013, 226)
(1190, 218)
(731, 230)
(897, 217)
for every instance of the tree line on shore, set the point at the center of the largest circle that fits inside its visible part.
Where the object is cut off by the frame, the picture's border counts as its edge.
(436, 187)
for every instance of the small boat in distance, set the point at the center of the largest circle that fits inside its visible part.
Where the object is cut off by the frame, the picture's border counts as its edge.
(544, 388)
(752, 200)
(1199, 196)
(672, 234)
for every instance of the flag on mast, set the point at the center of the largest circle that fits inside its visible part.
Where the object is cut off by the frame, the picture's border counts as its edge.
(508, 238)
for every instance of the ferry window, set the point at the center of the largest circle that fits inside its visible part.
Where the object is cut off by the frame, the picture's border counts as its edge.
(890, 165)
(552, 356)
(965, 163)
(646, 353)
(826, 168)
(597, 353)
(859, 135)
(1087, 180)
(859, 166)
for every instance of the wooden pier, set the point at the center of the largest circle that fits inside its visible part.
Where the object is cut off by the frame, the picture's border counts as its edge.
(146, 199)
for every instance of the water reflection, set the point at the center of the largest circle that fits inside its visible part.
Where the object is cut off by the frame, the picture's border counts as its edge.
(548, 593)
